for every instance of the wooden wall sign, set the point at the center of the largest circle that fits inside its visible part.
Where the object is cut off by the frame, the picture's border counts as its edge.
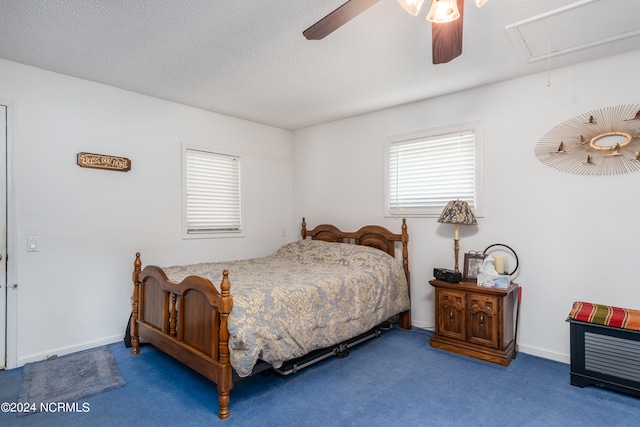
(102, 161)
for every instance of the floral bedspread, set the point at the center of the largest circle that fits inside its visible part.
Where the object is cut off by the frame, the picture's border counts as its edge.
(305, 296)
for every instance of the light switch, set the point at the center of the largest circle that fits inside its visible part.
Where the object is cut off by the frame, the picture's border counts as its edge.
(32, 244)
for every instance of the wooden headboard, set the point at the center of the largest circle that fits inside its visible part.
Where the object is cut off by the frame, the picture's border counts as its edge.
(370, 235)
(375, 236)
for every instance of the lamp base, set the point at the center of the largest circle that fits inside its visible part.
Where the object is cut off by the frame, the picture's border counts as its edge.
(456, 249)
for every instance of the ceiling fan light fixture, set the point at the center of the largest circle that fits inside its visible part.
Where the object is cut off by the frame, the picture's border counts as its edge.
(412, 6)
(481, 3)
(443, 11)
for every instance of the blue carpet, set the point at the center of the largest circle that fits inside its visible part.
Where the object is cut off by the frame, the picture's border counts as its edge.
(394, 380)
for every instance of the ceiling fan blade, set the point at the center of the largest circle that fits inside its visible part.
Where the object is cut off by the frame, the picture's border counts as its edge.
(447, 38)
(337, 18)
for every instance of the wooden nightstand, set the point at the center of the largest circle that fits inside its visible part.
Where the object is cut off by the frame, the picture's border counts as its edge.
(474, 321)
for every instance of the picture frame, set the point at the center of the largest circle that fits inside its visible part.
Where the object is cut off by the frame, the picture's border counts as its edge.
(472, 263)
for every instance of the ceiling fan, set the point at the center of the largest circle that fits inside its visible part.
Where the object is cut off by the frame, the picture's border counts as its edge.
(446, 18)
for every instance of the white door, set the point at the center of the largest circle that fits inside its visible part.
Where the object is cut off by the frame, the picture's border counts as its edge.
(3, 236)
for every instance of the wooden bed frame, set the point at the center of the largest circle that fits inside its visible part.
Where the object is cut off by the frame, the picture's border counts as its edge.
(192, 326)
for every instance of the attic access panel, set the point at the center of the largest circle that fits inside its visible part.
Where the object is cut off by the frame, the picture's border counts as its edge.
(576, 26)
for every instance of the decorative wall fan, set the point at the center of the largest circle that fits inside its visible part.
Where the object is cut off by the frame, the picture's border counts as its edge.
(446, 18)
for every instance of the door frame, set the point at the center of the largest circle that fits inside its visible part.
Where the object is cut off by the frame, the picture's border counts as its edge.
(11, 333)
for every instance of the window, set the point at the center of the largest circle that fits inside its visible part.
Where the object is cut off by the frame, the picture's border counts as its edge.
(212, 194)
(427, 169)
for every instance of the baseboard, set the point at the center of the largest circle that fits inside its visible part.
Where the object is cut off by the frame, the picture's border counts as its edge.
(534, 351)
(422, 325)
(68, 350)
(545, 354)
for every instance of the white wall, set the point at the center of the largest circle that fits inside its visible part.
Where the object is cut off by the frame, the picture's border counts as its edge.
(74, 293)
(576, 236)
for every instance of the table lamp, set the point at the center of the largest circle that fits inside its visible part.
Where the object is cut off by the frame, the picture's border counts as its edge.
(457, 212)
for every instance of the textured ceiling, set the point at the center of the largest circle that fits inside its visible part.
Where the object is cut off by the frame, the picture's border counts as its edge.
(248, 59)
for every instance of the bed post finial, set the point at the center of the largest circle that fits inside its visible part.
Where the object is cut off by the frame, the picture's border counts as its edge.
(135, 341)
(304, 229)
(137, 266)
(225, 285)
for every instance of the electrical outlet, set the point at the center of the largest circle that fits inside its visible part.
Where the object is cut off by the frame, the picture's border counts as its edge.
(284, 232)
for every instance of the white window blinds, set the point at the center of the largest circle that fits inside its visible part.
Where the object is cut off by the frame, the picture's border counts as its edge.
(424, 173)
(213, 192)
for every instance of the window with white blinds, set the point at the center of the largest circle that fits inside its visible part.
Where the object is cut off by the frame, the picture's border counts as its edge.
(212, 193)
(427, 170)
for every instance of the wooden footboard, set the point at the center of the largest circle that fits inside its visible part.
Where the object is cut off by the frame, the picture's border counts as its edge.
(187, 320)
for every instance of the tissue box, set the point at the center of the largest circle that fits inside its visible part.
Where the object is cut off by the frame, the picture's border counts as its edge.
(501, 282)
(498, 282)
